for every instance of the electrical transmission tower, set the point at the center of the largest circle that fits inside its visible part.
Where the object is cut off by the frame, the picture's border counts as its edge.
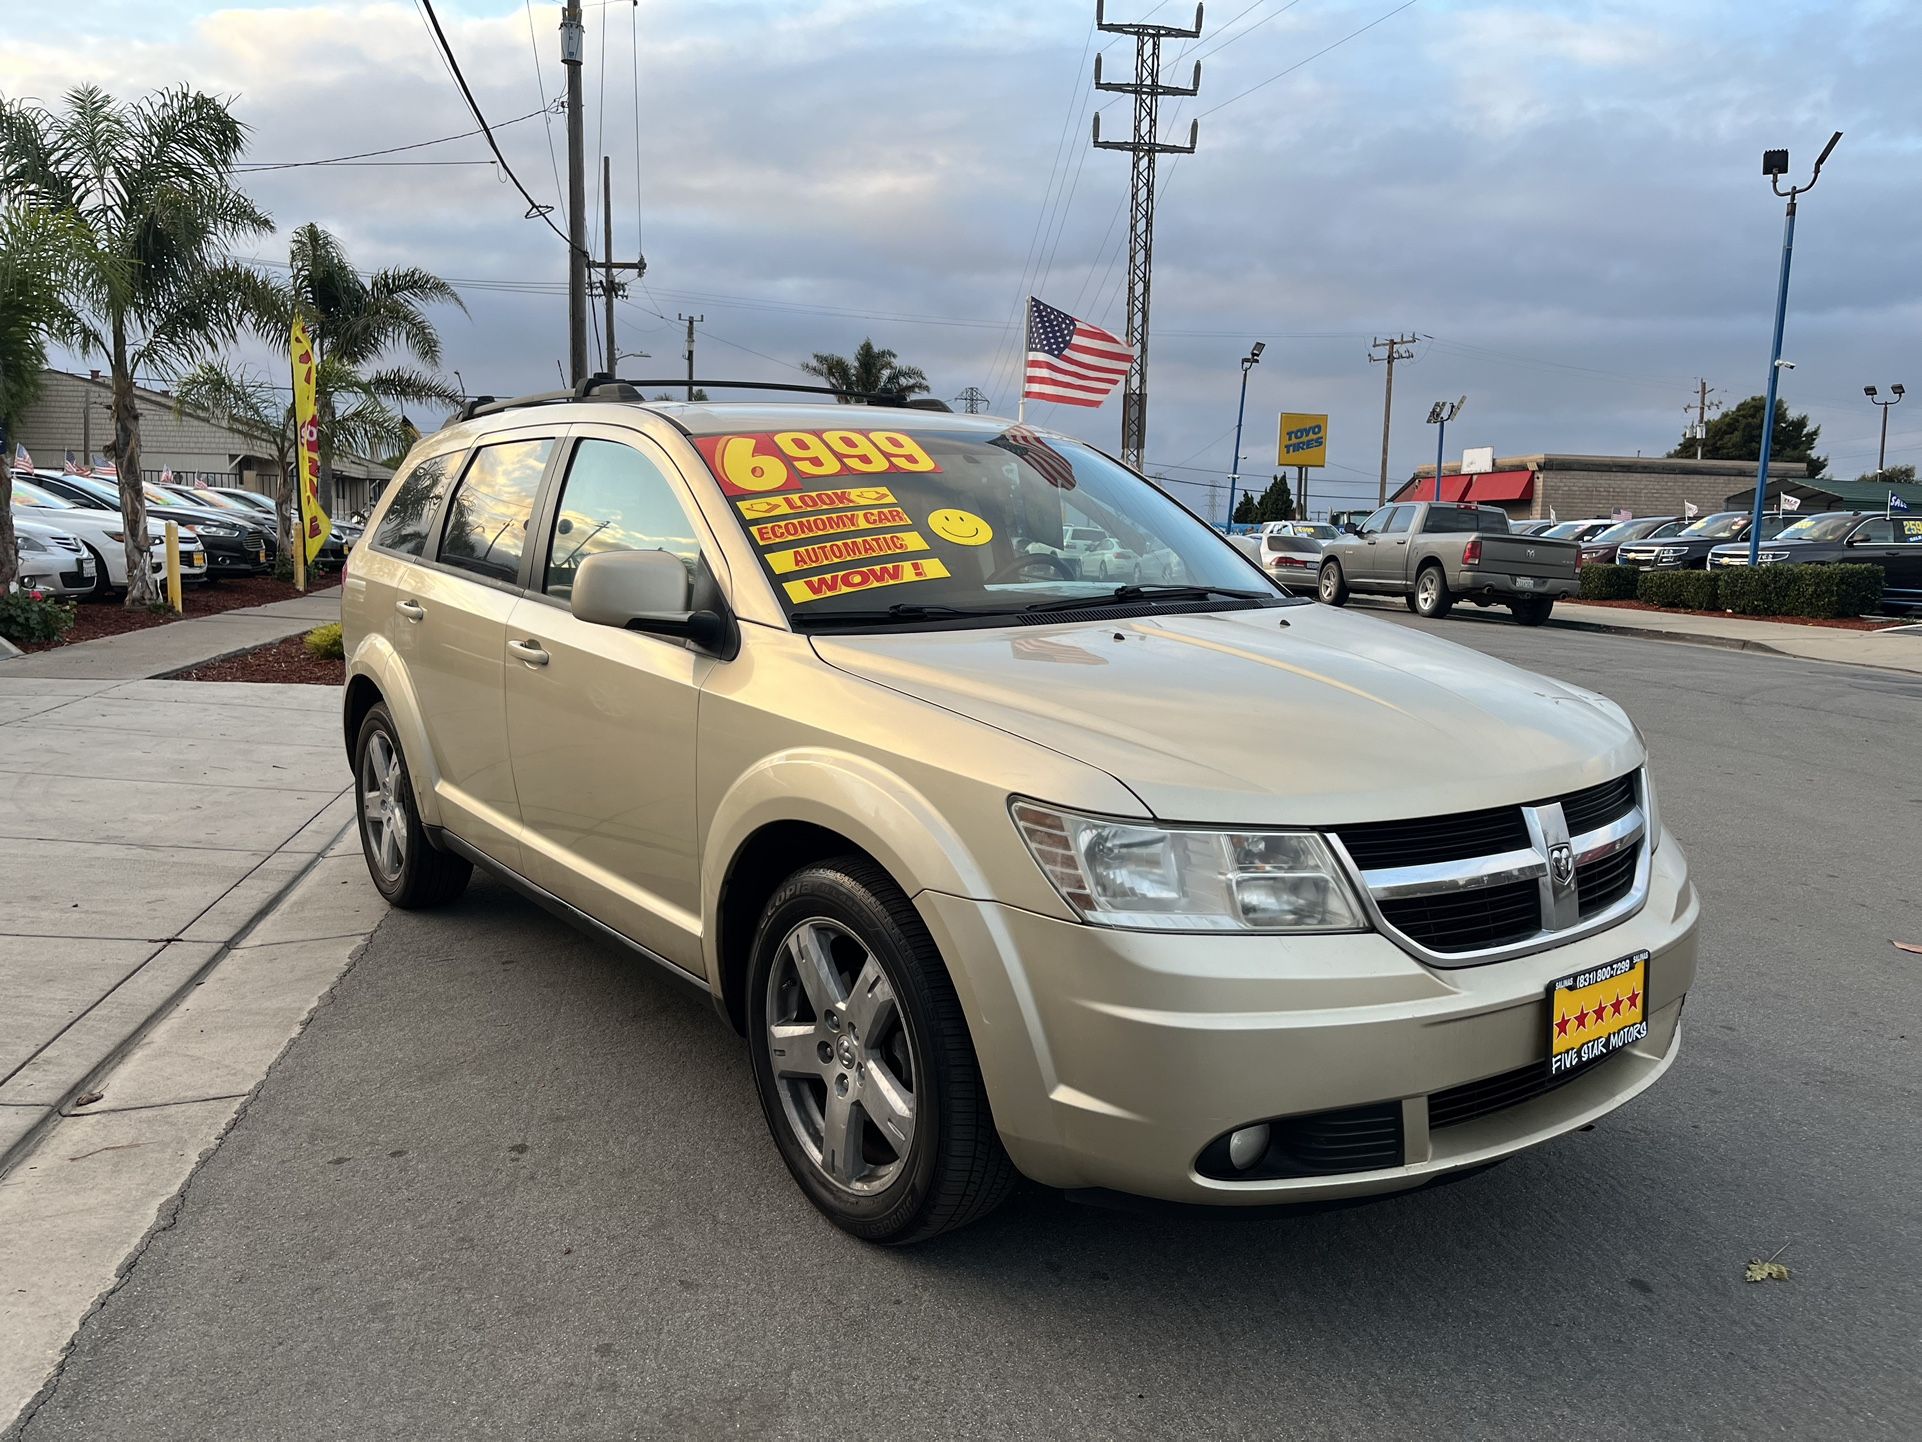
(1144, 145)
(972, 401)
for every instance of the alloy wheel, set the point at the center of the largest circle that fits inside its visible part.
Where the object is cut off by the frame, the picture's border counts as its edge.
(383, 815)
(842, 1055)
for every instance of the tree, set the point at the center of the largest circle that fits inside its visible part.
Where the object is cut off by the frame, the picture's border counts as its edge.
(1736, 435)
(1889, 476)
(147, 191)
(1277, 503)
(869, 372)
(356, 322)
(31, 255)
(699, 394)
(1245, 509)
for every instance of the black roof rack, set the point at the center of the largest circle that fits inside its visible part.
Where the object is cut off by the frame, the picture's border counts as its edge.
(603, 387)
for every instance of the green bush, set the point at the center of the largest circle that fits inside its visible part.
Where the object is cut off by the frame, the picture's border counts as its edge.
(1682, 590)
(26, 619)
(1826, 592)
(1609, 583)
(324, 642)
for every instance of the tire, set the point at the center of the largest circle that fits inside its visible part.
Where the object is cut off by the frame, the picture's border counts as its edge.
(1532, 610)
(1432, 599)
(838, 922)
(1331, 589)
(102, 583)
(407, 868)
(1409, 601)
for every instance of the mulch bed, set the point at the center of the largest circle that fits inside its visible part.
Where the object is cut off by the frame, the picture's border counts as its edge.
(285, 662)
(111, 618)
(1843, 623)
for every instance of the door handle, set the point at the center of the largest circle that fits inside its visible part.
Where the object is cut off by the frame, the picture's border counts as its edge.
(412, 610)
(1371, 540)
(528, 651)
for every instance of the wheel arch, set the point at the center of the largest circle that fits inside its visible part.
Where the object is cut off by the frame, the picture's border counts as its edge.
(377, 677)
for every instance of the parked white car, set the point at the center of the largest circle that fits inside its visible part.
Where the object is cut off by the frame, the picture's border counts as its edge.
(102, 534)
(1108, 560)
(52, 560)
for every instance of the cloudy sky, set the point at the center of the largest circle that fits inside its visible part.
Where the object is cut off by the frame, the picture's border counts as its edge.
(1563, 200)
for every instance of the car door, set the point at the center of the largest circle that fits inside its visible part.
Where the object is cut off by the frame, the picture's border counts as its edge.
(601, 722)
(1390, 555)
(1359, 552)
(1875, 543)
(1905, 565)
(456, 608)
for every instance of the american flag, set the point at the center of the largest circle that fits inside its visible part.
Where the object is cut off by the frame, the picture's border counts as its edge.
(21, 460)
(1026, 442)
(1069, 360)
(167, 475)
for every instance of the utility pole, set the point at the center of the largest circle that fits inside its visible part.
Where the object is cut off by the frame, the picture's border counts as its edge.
(1703, 390)
(1393, 349)
(609, 265)
(692, 321)
(972, 401)
(1147, 89)
(573, 41)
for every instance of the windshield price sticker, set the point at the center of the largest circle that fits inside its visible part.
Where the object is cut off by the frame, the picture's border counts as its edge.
(759, 462)
(854, 548)
(799, 503)
(863, 578)
(834, 523)
(1595, 1013)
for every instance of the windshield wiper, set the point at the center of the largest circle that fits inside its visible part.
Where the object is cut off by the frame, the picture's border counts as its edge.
(900, 611)
(1149, 593)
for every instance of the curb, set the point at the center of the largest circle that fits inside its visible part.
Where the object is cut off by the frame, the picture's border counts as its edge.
(29, 1139)
(1726, 643)
(180, 671)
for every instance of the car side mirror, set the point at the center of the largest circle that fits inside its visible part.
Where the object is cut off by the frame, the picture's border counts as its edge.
(1857, 540)
(646, 591)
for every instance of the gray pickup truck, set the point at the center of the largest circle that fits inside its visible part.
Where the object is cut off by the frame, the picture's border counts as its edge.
(1434, 554)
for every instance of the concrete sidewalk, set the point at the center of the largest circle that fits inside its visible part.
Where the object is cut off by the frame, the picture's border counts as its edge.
(177, 645)
(144, 826)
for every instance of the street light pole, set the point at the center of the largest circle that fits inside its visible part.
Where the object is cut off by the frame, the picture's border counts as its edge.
(1248, 363)
(1882, 454)
(1439, 415)
(1775, 165)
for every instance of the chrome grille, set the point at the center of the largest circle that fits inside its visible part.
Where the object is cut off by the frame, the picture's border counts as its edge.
(1484, 885)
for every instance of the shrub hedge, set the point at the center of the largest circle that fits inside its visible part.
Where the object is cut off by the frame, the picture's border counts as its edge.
(1609, 583)
(325, 643)
(1683, 590)
(26, 618)
(1821, 591)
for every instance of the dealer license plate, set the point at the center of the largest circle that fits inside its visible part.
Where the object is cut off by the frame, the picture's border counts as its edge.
(1595, 1013)
(1524, 583)
(262, 555)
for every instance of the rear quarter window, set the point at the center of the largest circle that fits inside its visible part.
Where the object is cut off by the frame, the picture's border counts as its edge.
(417, 495)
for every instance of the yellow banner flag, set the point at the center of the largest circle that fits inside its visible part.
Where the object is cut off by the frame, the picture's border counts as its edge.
(313, 515)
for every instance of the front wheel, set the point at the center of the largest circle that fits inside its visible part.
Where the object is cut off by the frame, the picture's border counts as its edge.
(407, 868)
(863, 1061)
(1432, 599)
(1330, 588)
(1532, 610)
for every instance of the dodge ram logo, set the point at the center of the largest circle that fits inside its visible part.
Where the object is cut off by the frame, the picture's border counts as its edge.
(1561, 864)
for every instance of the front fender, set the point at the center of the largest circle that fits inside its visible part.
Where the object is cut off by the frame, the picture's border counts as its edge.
(376, 659)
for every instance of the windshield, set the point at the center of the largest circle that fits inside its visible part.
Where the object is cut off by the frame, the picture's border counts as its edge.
(26, 493)
(1565, 529)
(927, 522)
(1621, 531)
(197, 496)
(1718, 527)
(1819, 528)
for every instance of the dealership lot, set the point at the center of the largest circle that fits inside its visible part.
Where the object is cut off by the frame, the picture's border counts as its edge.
(510, 1183)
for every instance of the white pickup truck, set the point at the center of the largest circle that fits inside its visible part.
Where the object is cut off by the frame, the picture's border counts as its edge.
(1434, 554)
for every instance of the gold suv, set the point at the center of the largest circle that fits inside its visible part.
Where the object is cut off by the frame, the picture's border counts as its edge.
(1164, 882)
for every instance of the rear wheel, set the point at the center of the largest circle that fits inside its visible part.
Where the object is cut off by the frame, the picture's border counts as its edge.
(1532, 610)
(863, 1062)
(1432, 598)
(407, 868)
(1331, 589)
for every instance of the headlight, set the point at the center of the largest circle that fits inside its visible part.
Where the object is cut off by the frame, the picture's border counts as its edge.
(1670, 552)
(118, 537)
(30, 543)
(211, 528)
(1772, 556)
(1155, 878)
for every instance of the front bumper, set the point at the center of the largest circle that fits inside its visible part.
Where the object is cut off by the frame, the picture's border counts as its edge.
(1113, 1058)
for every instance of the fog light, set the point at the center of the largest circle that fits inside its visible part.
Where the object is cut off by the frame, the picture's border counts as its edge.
(1248, 1146)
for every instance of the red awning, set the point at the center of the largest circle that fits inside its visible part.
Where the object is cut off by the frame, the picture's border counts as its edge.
(1493, 488)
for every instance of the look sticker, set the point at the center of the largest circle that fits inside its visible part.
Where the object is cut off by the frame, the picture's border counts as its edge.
(863, 578)
(796, 503)
(854, 548)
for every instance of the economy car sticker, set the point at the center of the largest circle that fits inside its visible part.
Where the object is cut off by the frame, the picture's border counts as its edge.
(852, 548)
(801, 502)
(759, 462)
(834, 523)
(863, 578)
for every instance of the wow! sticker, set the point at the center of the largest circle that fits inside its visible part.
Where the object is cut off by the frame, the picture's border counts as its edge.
(863, 578)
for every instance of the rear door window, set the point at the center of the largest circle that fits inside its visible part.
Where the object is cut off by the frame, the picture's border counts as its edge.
(403, 528)
(487, 518)
(1880, 530)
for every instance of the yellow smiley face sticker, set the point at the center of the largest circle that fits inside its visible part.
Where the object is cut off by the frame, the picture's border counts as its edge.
(964, 528)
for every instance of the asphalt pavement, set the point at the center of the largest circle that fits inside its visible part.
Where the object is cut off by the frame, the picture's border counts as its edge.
(509, 1183)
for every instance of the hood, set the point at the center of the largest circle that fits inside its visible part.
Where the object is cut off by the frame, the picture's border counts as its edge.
(1295, 715)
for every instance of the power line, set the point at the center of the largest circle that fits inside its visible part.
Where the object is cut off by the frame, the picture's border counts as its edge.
(540, 84)
(535, 210)
(255, 167)
(1316, 56)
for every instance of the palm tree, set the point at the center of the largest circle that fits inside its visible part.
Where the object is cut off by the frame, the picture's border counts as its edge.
(356, 321)
(147, 189)
(31, 254)
(870, 372)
